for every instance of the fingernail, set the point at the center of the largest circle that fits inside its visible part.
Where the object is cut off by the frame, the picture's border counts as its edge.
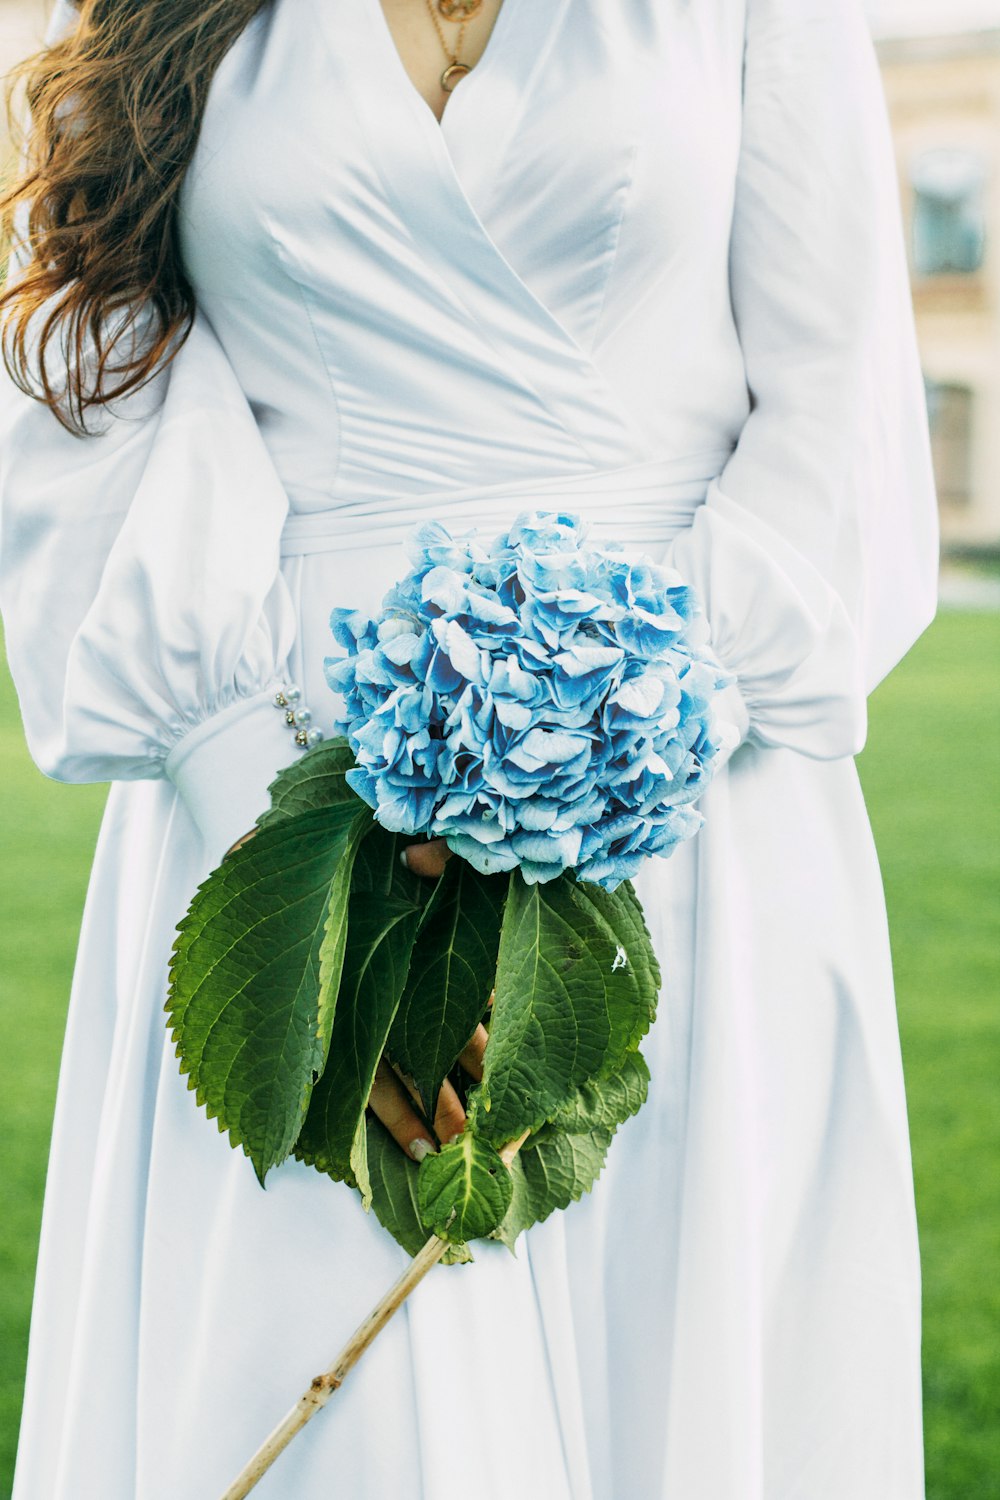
(455, 1138)
(403, 859)
(420, 1148)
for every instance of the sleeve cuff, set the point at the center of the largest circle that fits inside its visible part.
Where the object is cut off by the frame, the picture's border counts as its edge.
(223, 767)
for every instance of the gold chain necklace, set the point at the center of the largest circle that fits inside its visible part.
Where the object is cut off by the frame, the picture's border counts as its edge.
(455, 70)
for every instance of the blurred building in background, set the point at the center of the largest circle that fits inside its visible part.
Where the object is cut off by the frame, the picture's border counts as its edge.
(941, 70)
(941, 67)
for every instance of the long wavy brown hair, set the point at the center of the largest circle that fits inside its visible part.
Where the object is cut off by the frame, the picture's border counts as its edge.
(113, 108)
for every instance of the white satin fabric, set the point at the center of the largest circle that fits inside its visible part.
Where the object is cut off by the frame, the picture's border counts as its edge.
(649, 266)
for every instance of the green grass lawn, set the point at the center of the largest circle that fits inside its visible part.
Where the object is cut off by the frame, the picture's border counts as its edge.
(932, 776)
(931, 773)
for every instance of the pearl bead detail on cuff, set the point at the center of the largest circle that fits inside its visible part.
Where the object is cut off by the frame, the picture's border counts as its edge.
(298, 717)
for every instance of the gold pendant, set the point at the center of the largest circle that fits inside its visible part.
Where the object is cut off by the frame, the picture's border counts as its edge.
(453, 73)
(464, 8)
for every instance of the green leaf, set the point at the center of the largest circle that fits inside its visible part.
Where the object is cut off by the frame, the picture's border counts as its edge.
(254, 977)
(316, 779)
(620, 909)
(394, 1193)
(563, 1161)
(463, 1190)
(576, 990)
(334, 945)
(384, 910)
(601, 1103)
(451, 975)
(551, 1177)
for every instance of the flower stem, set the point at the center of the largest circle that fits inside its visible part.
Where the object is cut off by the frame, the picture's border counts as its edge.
(323, 1387)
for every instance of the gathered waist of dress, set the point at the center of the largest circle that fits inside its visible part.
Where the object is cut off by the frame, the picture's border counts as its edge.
(643, 503)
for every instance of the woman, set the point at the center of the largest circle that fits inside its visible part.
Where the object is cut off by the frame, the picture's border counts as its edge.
(647, 266)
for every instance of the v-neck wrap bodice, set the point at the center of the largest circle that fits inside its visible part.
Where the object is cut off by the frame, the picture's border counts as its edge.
(461, 301)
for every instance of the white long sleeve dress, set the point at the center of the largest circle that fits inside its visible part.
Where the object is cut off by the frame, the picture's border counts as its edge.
(649, 268)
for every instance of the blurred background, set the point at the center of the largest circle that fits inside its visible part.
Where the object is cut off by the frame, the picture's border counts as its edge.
(931, 773)
(941, 68)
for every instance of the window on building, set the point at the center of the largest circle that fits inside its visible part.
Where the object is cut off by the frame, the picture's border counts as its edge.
(948, 212)
(949, 409)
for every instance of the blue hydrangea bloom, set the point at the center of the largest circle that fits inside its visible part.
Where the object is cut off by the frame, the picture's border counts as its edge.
(541, 702)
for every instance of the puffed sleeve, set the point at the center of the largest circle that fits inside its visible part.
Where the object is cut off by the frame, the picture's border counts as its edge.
(147, 620)
(816, 550)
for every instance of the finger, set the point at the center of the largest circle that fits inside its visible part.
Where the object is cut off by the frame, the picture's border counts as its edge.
(240, 842)
(428, 858)
(471, 1055)
(449, 1117)
(391, 1103)
(409, 1083)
